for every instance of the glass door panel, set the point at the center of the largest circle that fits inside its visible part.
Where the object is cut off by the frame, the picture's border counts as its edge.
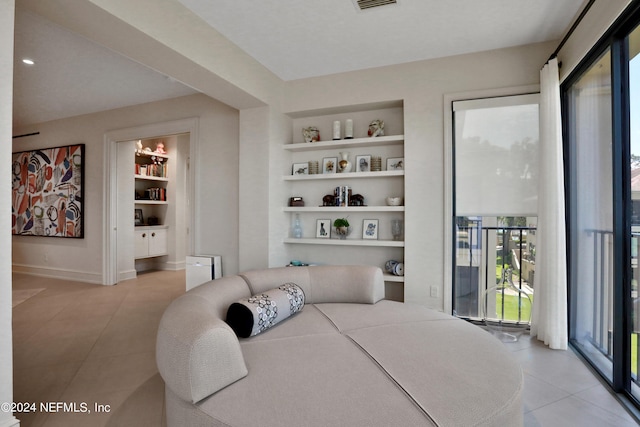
(634, 125)
(495, 190)
(591, 214)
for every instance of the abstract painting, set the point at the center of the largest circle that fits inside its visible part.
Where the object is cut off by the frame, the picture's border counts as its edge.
(47, 196)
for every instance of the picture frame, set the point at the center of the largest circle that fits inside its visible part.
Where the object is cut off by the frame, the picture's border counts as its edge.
(363, 163)
(370, 229)
(329, 165)
(138, 218)
(323, 229)
(300, 169)
(395, 163)
(47, 188)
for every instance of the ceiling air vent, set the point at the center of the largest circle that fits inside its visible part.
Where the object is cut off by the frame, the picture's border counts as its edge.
(368, 4)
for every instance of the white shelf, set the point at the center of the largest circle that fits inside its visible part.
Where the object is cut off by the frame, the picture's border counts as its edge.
(151, 178)
(150, 202)
(346, 143)
(346, 242)
(151, 154)
(344, 209)
(393, 278)
(349, 175)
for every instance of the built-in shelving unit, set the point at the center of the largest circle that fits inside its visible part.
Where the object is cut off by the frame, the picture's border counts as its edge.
(151, 180)
(374, 186)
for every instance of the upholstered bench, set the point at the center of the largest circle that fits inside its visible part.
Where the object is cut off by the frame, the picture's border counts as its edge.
(347, 357)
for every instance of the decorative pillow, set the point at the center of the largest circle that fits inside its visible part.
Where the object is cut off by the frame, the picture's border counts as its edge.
(250, 316)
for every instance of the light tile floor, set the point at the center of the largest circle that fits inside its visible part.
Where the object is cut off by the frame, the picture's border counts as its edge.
(76, 342)
(560, 390)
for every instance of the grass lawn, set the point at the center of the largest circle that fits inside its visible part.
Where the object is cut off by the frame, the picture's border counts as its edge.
(634, 354)
(511, 307)
(511, 301)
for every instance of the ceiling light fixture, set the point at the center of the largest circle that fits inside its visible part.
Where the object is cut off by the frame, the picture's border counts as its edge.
(28, 61)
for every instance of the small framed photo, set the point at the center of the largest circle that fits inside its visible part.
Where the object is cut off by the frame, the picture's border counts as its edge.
(323, 228)
(138, 219)
(395, 164)
(363, 163)
(370, 229)
(300, 169)
(329, 164)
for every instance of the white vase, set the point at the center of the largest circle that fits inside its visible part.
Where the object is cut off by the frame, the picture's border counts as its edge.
(344, 165)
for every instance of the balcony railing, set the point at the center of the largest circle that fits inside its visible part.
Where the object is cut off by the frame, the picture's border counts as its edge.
(601, 246)
(598, 251)
(495, 274)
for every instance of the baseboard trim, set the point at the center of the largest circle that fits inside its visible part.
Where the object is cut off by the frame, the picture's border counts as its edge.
(126, 275)
(147, 264)
(175, 266)
(58, 273)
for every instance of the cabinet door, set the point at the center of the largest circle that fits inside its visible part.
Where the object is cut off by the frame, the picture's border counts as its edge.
(141, 243)
(158, 242)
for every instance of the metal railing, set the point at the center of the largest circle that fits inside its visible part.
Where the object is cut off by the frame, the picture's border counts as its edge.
(602, 323)
(508, 272)
(602, 293)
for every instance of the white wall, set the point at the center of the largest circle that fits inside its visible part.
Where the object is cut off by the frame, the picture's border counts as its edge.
(7, 8)
(216, 231)
(254, 189)
(422, 86)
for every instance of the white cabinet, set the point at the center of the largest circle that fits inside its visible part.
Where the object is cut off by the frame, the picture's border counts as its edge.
(150, 242)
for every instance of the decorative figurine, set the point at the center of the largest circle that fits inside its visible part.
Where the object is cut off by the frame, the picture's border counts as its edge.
(311, 134)
(329, 200)
(160, 148)
(356, 200)
(376, 128)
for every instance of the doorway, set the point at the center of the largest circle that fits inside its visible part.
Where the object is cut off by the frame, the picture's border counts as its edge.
(119, 261)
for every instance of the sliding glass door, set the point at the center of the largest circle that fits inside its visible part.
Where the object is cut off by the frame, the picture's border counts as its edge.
(591, 211)
(602, 141)
(633, 47)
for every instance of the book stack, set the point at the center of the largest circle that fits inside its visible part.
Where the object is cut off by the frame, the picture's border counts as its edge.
(157, 170)
(156, 193)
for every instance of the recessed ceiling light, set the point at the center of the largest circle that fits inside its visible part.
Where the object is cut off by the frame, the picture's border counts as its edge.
(28, 61)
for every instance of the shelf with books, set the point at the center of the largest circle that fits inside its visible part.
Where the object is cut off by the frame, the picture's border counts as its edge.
(151, 181)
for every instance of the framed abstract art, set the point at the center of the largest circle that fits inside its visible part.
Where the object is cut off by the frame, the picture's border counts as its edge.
(47, 192)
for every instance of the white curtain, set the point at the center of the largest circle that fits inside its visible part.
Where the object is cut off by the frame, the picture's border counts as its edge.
(549, 316)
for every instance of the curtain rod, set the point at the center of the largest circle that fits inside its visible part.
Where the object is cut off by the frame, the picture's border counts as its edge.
(572, 29)
(26, 134)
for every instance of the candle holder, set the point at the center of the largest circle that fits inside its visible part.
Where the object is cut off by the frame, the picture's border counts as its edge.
(396, 229)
